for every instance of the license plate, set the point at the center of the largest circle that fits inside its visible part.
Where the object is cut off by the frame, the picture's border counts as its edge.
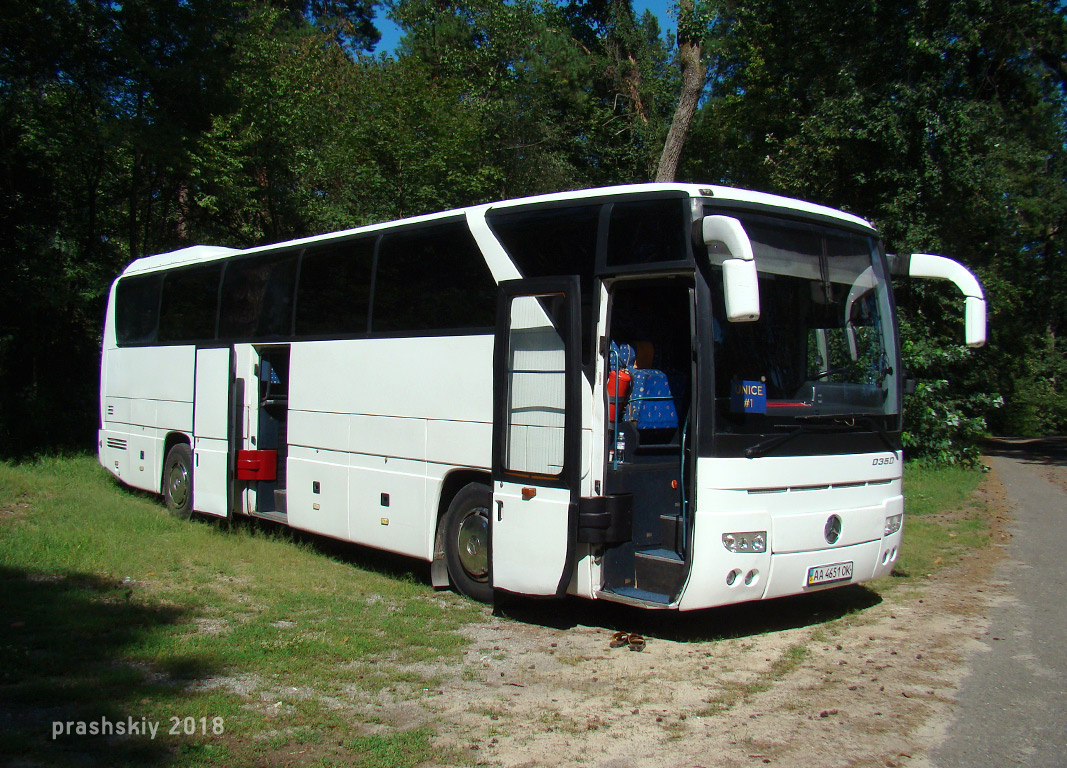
(828, 574)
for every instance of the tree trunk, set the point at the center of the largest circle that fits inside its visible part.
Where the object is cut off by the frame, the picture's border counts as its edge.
(693, 75)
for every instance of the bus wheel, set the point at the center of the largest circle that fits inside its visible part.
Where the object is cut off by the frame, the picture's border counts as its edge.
(178, 481)
(467, 542)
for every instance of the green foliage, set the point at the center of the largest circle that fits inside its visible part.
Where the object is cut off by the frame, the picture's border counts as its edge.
(97, 104)
(946, 415)
(944, 124)
(1039, 398)
(129, 129)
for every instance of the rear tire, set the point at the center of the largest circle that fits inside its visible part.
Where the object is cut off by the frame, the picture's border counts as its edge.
(466, 525)
(178, 481)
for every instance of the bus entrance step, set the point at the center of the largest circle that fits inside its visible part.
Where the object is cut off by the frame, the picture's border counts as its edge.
(659, 570)
(670, 532)
(636, 596)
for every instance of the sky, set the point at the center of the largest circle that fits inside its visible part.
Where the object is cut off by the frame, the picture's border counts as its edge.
(391, 33)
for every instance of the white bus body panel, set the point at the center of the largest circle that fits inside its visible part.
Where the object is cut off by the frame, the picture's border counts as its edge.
(147, 394)
(791, 499)
(380, 475)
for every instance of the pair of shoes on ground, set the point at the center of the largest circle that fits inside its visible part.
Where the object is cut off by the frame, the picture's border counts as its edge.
(632, 641)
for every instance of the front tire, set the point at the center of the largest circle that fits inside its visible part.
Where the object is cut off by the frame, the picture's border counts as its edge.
(466, 525)
(178, 481)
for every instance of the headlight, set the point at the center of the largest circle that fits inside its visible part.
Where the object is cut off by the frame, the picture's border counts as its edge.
(747, 541)
(892, 524)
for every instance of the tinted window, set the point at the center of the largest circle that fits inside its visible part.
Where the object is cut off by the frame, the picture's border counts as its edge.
(647, 231)
(432, 279)
(257, 297)
(552, 241)
(187, 311)
(555, 241)
(137, 309)
(334, 292)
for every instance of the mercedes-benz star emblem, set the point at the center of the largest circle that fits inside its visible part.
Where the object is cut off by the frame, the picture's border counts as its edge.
(832, 531)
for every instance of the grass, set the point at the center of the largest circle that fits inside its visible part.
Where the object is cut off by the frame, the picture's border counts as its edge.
(110, 609)
(944, 519)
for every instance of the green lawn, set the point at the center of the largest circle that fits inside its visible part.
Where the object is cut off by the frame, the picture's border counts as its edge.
(112, 609)
(944, 519)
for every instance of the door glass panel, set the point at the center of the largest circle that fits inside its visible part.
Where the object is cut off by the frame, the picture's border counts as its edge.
(536, 385)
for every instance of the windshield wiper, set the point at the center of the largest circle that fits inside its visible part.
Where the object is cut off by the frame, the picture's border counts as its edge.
(852, 420)
(764, 447)
(839, 420)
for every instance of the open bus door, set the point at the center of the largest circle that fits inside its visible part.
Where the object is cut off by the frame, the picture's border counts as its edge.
(536, 436)
(212, 431)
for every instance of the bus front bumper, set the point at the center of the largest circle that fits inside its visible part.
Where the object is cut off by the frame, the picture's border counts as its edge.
(716, 580)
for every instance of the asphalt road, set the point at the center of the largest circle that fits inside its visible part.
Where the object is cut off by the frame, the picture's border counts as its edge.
(1013, 704)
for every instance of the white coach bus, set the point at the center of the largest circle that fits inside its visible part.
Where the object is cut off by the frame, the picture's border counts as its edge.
(667, 395)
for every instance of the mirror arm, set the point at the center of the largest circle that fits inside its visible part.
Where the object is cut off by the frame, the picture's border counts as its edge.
(940, 268)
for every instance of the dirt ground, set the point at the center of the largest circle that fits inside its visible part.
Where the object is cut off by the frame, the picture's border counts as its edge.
(851, 677)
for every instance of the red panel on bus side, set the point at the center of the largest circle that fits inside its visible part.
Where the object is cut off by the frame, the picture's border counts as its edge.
(257, 465)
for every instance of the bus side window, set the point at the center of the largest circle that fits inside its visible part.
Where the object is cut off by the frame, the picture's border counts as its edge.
(432, 279)
(257, 297)
(554, 241)
(137, 309)
(647, 232)
(334, 292)
(188, 307)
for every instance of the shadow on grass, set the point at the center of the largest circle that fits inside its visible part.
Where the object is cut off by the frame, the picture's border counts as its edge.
(64, 639)
(388, 564)
(731, 621)
(745, 619)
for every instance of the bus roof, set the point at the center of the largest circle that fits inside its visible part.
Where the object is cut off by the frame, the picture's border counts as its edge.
(201, 253)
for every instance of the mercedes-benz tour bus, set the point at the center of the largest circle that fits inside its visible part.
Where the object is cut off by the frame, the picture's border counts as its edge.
(668, 395)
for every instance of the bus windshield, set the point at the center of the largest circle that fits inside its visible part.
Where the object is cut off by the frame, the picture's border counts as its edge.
(824, 348)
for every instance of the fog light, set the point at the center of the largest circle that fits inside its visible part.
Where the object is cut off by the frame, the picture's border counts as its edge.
(747, 541)
(892, 524)
(731, 577)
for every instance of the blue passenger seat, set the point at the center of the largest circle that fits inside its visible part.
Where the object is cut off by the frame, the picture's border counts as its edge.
(623, 357)
(651, 403)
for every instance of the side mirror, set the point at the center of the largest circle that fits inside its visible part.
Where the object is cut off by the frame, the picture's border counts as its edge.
(728, 244)
(939, 267)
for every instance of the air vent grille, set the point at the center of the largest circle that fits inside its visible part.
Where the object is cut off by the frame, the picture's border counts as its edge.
(831, 487)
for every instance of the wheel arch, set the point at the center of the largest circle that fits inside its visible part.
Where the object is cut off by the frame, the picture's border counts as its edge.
(452, 484)
(172, 439)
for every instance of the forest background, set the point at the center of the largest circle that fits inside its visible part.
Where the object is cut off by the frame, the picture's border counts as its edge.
(135, 128)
